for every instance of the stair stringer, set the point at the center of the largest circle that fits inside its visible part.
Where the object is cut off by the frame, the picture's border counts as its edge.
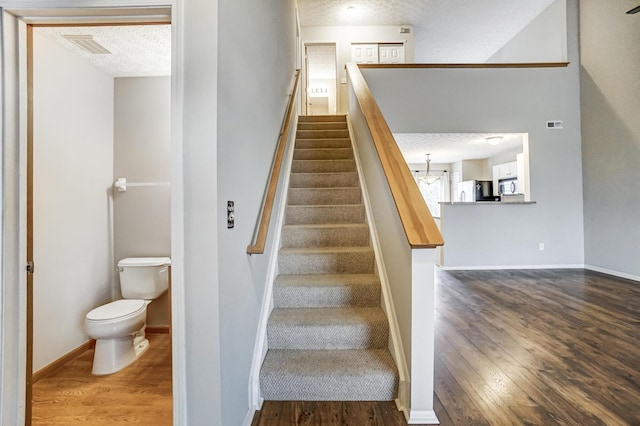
(261, 345)
(395, 341)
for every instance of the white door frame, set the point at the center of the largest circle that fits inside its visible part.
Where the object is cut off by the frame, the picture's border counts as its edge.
(15, 17)
(305, 74)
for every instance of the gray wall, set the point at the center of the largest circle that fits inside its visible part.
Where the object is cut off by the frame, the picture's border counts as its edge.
(239, 63)
(610, 89)
(73, 160)
(504, 101)
(142, 136)
(253, 94)
(543, 40)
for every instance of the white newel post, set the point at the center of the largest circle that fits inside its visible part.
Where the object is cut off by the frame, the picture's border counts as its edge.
(422, 337)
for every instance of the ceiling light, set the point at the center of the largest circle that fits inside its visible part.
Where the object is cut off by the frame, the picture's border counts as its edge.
(429, 178)
(351, 11)
(493, 140)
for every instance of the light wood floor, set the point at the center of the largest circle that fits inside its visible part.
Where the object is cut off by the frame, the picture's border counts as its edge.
(517, 348)
(138, 395)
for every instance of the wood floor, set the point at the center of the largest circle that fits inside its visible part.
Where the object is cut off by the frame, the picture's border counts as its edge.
(138, 395)
(540, 347)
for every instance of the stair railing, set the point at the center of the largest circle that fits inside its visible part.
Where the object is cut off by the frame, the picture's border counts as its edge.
(420, 228)
(267, 206)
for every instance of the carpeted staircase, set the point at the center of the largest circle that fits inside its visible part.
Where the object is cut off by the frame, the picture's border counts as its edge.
(327, 335)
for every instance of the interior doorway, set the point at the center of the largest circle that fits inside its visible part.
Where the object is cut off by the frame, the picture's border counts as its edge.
(25, 52)
(321, 79)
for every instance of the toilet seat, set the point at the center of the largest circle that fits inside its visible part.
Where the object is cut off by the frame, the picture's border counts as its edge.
(118, 310)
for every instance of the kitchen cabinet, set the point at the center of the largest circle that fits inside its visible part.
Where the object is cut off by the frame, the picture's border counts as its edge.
(507, 170)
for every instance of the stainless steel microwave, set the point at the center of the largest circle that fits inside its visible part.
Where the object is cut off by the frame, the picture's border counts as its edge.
(508, 186)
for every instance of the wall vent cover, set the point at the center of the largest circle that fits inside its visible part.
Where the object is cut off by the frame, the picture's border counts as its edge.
(87, 43)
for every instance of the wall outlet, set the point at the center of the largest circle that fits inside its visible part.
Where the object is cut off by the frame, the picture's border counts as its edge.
(541, 246)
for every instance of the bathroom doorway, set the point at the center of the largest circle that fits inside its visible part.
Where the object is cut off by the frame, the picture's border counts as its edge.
(321, 79)
(89, 126)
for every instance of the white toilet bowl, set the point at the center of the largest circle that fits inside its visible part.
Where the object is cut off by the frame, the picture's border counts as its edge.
(118, 328)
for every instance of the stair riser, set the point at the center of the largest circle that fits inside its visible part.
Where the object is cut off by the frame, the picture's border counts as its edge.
(370, 387)
(323, 237)
(323, 154)
(326, 297)
(323, 166)
(321, 134)
(322, 143)
(321, 118)
(327, 125)
(338, 336)
(310, 196)
(324, 180)
(304, 215)
(326, 263)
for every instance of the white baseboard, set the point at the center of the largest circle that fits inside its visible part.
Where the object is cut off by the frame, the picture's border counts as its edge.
(260, 345)
(248, 418)
(612, 272)
(423, 418)
(505, 267)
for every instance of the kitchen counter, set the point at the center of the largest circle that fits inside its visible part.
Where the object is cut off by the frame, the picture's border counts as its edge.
(473, 203)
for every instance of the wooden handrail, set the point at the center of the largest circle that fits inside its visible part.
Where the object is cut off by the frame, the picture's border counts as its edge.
(419, 226)
(484, 65)
(263, 227)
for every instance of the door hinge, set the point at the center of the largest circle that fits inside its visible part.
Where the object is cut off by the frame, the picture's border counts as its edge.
(30, 267)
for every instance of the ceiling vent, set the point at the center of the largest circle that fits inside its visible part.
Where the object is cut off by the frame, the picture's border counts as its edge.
(88, 44)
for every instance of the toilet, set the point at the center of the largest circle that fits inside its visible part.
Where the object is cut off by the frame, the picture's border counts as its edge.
(118, 327)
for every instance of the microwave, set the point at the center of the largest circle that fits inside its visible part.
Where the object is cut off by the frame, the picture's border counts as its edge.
(508, 186)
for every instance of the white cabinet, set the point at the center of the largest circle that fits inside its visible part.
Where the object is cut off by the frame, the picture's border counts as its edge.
(508, 170)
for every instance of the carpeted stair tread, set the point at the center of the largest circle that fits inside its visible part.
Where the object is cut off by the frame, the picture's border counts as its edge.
(321, 118)
(322, 125)
(326, 290)
(326, 260)
(323, 153)
(349, 213)
(329, 375)
(328, 328)
(325, 235)
(324, 196)
(324, 180)
(322, 134)
(323, 143)
(323, 166)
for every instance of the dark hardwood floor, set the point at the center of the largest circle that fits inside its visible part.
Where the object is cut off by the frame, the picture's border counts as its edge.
(137, 395)
(536, 347)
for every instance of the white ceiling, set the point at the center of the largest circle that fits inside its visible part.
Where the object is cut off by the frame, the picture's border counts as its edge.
(453, 31)
(136, 50)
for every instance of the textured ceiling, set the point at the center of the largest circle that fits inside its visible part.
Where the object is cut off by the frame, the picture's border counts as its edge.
(136, 50)
(448, 148)
(445, 30)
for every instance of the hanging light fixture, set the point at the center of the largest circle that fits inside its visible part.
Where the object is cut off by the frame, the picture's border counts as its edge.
(429, 178)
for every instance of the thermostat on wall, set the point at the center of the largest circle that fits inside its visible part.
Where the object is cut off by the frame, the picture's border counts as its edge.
(557, 124)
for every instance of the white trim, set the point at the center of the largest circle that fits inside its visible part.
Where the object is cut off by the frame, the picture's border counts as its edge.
(397, 349)
(260, 347)
(248, 418)
(422, 333)
(500, 267)
(612, 272)
(423, 417)
(10, 366)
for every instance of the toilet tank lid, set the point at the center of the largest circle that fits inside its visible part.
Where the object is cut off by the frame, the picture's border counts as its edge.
(145, 261)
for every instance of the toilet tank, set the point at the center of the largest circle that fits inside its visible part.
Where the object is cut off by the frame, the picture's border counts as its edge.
(144, 277)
